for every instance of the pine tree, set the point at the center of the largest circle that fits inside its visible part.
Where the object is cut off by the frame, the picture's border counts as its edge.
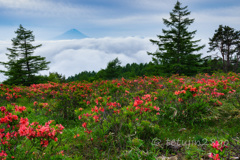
(113, 69)
(176, 47)
(22, 66)
(226, 40)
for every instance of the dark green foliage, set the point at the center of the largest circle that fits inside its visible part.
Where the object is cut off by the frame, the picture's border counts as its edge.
(134, 70)
(52, 77)
(129, 71)
(211, 65)
(227, 41)
(56, 77)
(113, 69)
(22, 66)
(176, 47)
(85, 75)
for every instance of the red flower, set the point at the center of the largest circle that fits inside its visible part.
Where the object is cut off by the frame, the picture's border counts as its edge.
(88, 131)
(35, 103)
(3, 155)
(216, 157)
(87, 115)
(95, 109)
(60, 127)
(146, 109)
(156, 108)
(180, 99)
(137, 102)
(96, 118)
(44, 143)
(216, 145)
(84, 125)
(3, 109)
(177, 92)
(24, 121)
(101, 109)
(193, 89)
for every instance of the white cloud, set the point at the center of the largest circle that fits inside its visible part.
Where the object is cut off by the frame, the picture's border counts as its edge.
(74, 56)
(70, 57)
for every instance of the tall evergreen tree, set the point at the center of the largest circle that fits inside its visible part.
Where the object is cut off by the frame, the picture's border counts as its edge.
(113, 69)
(226, 40)
(176, 47)
(22, 66)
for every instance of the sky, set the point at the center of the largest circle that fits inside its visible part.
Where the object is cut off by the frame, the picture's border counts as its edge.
(116, 28)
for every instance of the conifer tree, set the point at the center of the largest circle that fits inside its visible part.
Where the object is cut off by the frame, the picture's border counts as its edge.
(227, 41)
(23, 66)
(113, 69)
(176, 47)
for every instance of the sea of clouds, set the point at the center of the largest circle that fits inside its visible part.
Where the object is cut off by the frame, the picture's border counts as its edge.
(70, 57)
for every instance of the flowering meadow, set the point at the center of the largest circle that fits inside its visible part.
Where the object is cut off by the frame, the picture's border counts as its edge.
(141, 118)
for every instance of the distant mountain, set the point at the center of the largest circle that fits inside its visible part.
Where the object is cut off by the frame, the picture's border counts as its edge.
(71, 34)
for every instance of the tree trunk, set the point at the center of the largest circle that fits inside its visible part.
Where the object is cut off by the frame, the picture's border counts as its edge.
(223, 57)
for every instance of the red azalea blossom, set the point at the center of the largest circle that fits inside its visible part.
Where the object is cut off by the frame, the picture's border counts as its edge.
(44, 143)
(215, 157)
(217, 146)
(156, 108)
(84, 125)
(96, 118)
(35, 103)
(3, 155)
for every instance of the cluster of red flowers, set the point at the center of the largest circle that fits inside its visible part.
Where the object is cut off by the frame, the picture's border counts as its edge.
(214, 88)
(96, 109)
(103, 98)
(3, 155)
(84, 125)
(189, 88)
(14, 127)
(218, 148)
(20, 108)
(215, 157)
(180, 92)
(216, 94)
